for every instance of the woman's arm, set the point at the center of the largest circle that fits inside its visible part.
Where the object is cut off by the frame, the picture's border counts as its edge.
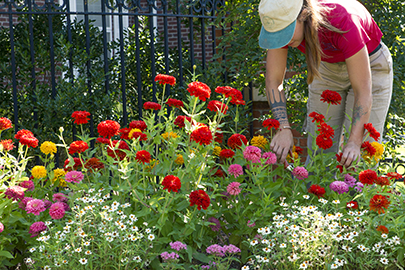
(358, 67)
(276, 62)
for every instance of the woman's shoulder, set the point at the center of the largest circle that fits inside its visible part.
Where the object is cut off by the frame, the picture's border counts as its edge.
(340, 12)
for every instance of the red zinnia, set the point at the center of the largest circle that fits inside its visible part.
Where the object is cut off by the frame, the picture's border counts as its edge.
(317, 190)
(124, 133)
(382, 181)
(151, 106)
(226, 153)
(171, 183)
(324, 142)
(139, 124)
(200, 198)
(378, 202)
(299, 150)
(271, 123)
(202, 135)
(226, 90)
(366, 146)
(115, 152)
(5, 123)
(383, 229)
(372, 131)
(218, 136)
(179, 121)
(139, 136)
(78, 147)
(236, 141)
(331, 97)
(219, 173)
(200, 90)
(317, 117)
(76, 165)
(368, 177)
(325, 130)
(175, 103)
(165, 79)
(394, 175)
(108, 128)
(352, 205)
(94, 163)
(102, 140)
(7, 144)
(143, 156)
(23, 132)
(235, 95)
(27, 138)
(80, 117)
(216, 106)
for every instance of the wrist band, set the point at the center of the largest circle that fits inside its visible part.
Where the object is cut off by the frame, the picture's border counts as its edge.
(284, 127)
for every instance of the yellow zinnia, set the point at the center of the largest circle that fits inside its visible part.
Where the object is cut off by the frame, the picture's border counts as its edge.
(259, 141)
(379, 150)
(58, 175)
(179, 160)
(131, 133)
(168, 135)
(48, 148)
(38, 172)
(217, 150)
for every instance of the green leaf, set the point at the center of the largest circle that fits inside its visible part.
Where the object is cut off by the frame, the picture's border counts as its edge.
(201, 257)
(6, 254)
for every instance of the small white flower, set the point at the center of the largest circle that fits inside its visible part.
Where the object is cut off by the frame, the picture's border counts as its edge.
(57, 264)
(110, 239)
(245, 267)
(91, 190)
(384, 261)
(64, 261)
(306, 197)
(266, 249)
(384, 236)
(334, 266)
(151, 237)
(47, 223)
(292, 257)
(148, 230)
(46, 267)
(32, 249)
(79, 249)
(83, 261)
(303, 265)
(88, 252)
(254, 242)
(28, 260)
(283, 245)
(336, 201)
(87, 243)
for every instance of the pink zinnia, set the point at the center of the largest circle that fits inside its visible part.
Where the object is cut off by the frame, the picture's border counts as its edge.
(236, 170)
(57, 210)
(23, 203)
(300, 173)
(59, 197)
(251, 224)
(15, 193)
(36, 228)
(252, 153)
(216, 250)
(35, 206)
(74, 176)
(270, 158)
(177, 245)
(1, 227)
(47, 203)
(233, 188)
(29, 185)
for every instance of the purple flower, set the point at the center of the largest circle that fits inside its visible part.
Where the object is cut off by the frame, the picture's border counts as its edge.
(36, 228)
(23, 203)
(236, 170)
(270, 157)
(166, 256)
(57, 210)
(231, 249)
(74, 176)
(29, 185)
(35, 206)
(300, 173)
(233, 188)
(217, 225)
(359, 187)
(216, 250)
(252, 153)
(177, 245)
(1, 227)
(350, 180)
(339, 186)
(15, 193)
(59, 197)
(47, 203)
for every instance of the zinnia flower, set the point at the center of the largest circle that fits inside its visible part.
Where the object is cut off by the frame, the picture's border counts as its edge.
(259, 141)
(252, 153)
(235, 95)
(216, 151)
(202, 135)
(108, 128)
(94, 164)
(59, 197)
(324, 142)
(38, 172)
(372, 131)
(165, 79)
(37, 227)
(236, 141)
(57, 210)
(139, 124)
(175, 103)
(382, 181)
(226, 153)
(35, 206)
(270, 158)
(378, 203)
(136, 134)
(394, 175)
(142, 156)
(367, 177)
(200, 198)
(152, 106)
(350, 180)
(76, 165)
(74, 176)
(217, 106)
(23, 203)
(15, 193)
(58, 176)
(359, 187)
(171, 183)
(339, 186)
(48, 148)
(114, 150)
(271, 123)
(325, 130)
(236, 170)
(5, 123)
(29, 185)
(368, 149)
(219, 173)
(200, 90)
(80, 117)
(217, 225)
(352, 205)
(331, 97)
(27, 138)
(78, 147)
(179, 159)
(379, 150)
(124, 133)
(179, 121)
(382, 229)
(317, 117)
(168, 135)
(218, 137)
(233, 188)
(7, 145)
(317, 190)
(300, 173)
(1, 227)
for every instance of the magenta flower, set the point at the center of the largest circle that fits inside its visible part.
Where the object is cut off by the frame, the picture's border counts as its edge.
(236, 170)
(350, 180)
(29, 185)
(57, 210)
(166, 256)
(359, 187)
(339, 186)
(47, 203)
(216, 250)
(36, 228)
(252, 153)
(35, 206)
(1, 227)
(59, 197)
(74, 176)
(15, 193)
(251, 224)
(230, 249)
(270, 157)
(217, 225)
(23, 203)
(300, 173)
(177, 245)
(233, 188)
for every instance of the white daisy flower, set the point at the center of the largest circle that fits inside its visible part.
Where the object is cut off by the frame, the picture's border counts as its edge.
(64, 261)
(58, 264)
(266, 249)
(245, 267)
(283, 245)
(336, 201)
(87, 243)
(384, 261)
(28, 260)
(83, 261)
(32, 249)
(79, 249)
(137, 259)
(303, 265)
(334, 266)
(88, 252)
(47, 267)
(151, 237)
(292, 257)
(254, 242)
(306, 197)
(147, 230)
(384, 236)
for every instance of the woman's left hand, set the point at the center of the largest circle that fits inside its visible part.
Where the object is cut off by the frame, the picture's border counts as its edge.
(351, 154)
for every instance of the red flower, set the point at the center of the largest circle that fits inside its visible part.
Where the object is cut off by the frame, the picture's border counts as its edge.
(382, 229)
(394, 175)
(299, 150)
(366, 146)
(226, 90)
(124, 133)
(171, 183)
(200, 198)
(368, 177)
(324, 142)
(271, 123)
(27, 138)
(219, 173)
(94, 163)
(175, 103)
(226, 153)
(23, 132)
(378, 202)
(5, 123)
(115, 152)
(139, 124)
(236, 141)
(80, 117)
(151, 106)
(382, 181)
(352, 205)
(77, 165)
(317, 190)
(319, 118)
(139, 135)
(372, 131)
(7, 144)
(218, 136)
(179, 121)
(102, 140)
(108, 128)
(331, 97)
(235, 95)
(216, 106)
(165, 79)
(202, 135)
(325, 130)
(78, 147)
(142, 156)
(200, 90)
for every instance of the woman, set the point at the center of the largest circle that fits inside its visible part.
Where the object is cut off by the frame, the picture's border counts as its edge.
(344, 53)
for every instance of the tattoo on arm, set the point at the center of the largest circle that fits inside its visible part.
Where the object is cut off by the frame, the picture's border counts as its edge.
(278, 106)
(358, 112)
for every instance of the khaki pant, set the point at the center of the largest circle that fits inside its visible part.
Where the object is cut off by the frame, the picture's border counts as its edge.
(336, 78)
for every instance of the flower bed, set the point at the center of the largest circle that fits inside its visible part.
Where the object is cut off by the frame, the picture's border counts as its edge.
(178, 190)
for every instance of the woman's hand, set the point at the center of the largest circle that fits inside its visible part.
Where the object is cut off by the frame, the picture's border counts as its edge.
(282, 143)
(350, 154)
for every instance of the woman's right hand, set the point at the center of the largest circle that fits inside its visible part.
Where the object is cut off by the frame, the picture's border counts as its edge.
(282, 143)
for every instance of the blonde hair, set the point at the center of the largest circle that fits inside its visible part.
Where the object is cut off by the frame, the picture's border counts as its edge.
(313, 15)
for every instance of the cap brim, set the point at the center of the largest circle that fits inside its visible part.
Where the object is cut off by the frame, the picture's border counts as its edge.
(276, 40)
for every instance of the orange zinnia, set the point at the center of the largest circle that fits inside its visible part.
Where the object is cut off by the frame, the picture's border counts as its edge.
(382, 229)
(378, 202)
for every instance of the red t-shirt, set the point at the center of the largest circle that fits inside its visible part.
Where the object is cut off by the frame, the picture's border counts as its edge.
(350, 16)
